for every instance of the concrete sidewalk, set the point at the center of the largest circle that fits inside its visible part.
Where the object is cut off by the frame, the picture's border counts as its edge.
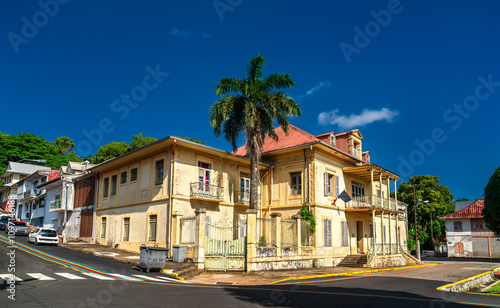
(188, 271)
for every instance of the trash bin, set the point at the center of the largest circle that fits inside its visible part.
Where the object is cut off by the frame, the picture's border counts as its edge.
(179, 253)
(152, 258)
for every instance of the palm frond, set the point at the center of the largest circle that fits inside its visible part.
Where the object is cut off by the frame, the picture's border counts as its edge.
(255, 68)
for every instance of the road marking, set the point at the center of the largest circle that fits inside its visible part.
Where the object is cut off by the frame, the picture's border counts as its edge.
(148, 278)
(475, 268)
(7, 277)
(69, 276)
(171, 279)
(39, 276)
(98, 276)
(125, 277)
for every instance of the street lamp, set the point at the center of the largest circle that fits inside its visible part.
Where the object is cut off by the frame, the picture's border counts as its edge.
(417, 239)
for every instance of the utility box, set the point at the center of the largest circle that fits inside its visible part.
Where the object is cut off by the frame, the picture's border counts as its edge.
(152, 258)
(179, 253)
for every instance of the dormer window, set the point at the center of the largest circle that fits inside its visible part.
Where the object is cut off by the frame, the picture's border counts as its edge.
(332, 140)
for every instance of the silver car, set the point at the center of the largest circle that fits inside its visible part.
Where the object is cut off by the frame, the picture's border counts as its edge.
(17, 227)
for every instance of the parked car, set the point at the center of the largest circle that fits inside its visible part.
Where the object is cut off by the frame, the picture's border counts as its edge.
(43, 236)
(18, 227)
(4, 221)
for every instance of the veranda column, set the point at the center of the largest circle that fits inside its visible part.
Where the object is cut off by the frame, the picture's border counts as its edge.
(397, 218)
(390, 233)
(382, 231)
(389, 191)
(381, 199)
(298, 222)
(373, 188)
(374, 246)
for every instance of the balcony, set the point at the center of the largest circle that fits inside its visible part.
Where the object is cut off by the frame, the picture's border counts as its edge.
(372, 202)
(29, 194)
(55, 206)
(244, 197)
(206, 191)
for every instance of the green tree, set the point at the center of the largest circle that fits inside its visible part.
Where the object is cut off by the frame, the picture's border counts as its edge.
(462, 199)
(111, 150)
(139, 141)
(192, 139)
(491, 211)
(64, 145)
(440, 204)
(252, 105)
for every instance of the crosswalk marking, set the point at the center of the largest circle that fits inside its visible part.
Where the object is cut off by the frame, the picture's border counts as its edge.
(98, 276)
(148, 278)
(171, 279)
(125, 277)
(69, 276)
(6, 277)
(39, 276)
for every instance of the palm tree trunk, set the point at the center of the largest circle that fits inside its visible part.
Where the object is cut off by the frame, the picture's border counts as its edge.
(254, 171)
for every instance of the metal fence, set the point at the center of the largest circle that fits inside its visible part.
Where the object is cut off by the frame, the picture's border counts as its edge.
(306, 234)
(187, 230)
(266, 233)
(288, 232)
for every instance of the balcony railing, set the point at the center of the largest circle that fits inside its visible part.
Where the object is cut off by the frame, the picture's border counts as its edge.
(29, 194)
(383, 250)
(206, 191)
(55, 205)
(244, 197)
(371, 201)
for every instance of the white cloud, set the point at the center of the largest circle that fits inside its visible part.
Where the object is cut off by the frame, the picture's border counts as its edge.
(316, 88)
(205, 35)
(356, 120)
(181, 33)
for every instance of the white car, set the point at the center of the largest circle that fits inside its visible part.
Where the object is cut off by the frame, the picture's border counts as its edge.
(43, 236)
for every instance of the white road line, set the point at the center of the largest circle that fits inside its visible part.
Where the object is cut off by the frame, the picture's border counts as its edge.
(40, 276)
(125, 277)
(98, 276)
(69, 276)
(148, 278)
(6, 277)
(172, 279)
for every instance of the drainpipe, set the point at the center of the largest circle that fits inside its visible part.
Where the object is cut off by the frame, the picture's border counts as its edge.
(170, 201)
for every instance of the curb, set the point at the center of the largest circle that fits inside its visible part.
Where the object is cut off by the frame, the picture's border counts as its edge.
(171, 274)
(457, 286)
(354, 273)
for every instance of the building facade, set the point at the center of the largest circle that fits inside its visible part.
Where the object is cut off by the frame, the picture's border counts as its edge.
(467, 234)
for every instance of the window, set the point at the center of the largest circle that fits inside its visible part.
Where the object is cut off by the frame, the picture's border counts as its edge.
(114, 179)
(159, 172)
(358, 189)
(355, 150)
(332, 139)
(328, 178)
(106, 187)
(327, 229)
(152, 228)
(337, 186)
(123, 177)
(296, 183)
(133, 175)
(457, 226)
(345, 234)
(103, 227)
(126, 228)
(244, 188)
(204, 175)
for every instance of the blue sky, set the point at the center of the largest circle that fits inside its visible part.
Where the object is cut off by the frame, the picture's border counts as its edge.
(420, 79)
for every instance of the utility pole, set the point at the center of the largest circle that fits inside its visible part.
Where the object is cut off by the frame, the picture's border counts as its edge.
(417, 241)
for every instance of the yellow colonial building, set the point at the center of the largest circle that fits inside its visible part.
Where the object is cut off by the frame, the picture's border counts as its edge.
(176, 192)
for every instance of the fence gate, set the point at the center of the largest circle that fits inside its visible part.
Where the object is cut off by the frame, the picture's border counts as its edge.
(225, 247)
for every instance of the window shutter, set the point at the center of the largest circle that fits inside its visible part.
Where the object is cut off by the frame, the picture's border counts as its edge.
(327, 227)
(337, 187)
(325, 179)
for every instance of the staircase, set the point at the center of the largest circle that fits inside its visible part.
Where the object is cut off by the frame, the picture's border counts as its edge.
(358, 260)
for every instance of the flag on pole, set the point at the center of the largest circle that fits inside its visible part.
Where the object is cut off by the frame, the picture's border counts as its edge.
(345, 196)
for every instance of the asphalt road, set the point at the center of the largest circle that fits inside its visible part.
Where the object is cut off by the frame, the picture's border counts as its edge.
(407, 288)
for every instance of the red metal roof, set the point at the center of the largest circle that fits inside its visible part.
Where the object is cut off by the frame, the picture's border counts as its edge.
(472, 211)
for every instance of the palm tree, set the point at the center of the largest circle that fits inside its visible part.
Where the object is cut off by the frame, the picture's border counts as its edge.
(64, 145)
(252, 105)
